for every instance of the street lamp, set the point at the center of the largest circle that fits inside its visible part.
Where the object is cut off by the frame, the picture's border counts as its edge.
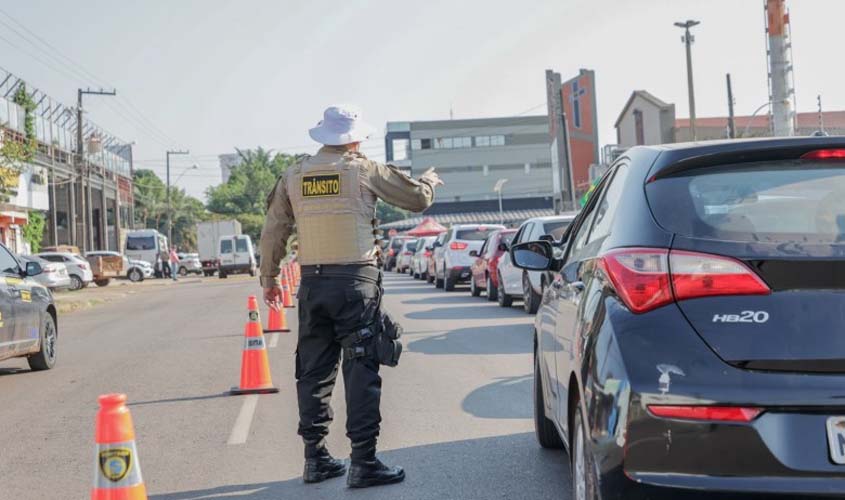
(192, 167)
(688, 39)
(500, 184)
(169, 218)
(753, 115)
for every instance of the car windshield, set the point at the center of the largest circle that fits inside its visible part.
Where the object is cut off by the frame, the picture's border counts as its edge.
(411, 246)
(140, 243)
(396, 244)
(474, 234)
(778, 202)
(556, 228)
(507, 238)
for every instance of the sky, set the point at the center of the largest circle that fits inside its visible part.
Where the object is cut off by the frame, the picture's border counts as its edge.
(212, 75)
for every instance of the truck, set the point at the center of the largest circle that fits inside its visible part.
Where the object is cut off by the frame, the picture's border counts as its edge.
(208, 242)
(147, 245)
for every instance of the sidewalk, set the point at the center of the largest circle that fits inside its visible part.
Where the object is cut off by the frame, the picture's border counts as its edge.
(93, 295)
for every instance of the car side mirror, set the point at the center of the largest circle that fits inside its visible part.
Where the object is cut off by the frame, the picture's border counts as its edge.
(437, 244)
(473, 253)
(547, 237)
(33, 269)
(503, 247)
(532, 255)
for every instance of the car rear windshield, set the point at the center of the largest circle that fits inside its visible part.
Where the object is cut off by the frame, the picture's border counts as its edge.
(779, 202)
(411, 246)
(396, 244)
(476, 234)
(555, 229)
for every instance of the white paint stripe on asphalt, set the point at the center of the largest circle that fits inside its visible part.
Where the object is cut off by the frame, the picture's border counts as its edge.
(274, 340)
(240, 432)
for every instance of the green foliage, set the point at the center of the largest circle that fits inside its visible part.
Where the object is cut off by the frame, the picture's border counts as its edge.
(388, 213)
(22, 99)
(244, 195)
(33, 231)
(151, 209)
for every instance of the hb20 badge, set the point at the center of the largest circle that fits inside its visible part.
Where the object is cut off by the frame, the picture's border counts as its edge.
(115, 463)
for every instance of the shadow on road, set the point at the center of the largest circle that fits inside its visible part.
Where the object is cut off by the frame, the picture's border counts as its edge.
(506, 339)
(396, 290)
(12, 371)
(511, 466)
(508, 397)
(445, 298)
(468, 312)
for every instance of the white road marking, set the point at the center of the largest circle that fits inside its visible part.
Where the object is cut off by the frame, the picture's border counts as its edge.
(274, 340)
(240, 432)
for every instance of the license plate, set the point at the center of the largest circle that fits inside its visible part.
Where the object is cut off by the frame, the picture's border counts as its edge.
(465, 274)
(836, 439)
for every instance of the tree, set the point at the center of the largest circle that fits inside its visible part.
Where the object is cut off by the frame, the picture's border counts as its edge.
(388, 213)
(151, 209)
(33, 231)
(244, 195)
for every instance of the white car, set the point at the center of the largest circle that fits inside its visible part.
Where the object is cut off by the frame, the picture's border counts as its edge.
(406, 252)
(419, 261)
(139, 270)
(452, 261)
(78, 269)
(189, 263)
(53, 276)
(529, 285)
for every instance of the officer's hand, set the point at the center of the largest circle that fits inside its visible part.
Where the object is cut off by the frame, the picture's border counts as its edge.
(431, 177)
(273, 297)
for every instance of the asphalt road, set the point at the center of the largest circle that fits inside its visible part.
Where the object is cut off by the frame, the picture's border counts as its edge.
(457, 411)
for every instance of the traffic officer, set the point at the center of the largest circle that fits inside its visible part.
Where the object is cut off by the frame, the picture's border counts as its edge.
(330, 198)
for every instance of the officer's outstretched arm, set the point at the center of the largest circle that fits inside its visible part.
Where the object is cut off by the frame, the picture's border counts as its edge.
(398, 189)
(278, 227)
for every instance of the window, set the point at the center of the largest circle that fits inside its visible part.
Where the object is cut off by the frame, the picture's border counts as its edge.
(225, 246)
(8, 264)
(140, 243)
(486, 170)
(52, 258)
(579, 238)
(608, 206)
(484, 247)
(527, 168)
(478, 234)
(416, 144)
(639, 127)
(525, 233)
(555, 229)
(482, 141)
(443, 143)
(240, 245)
(425, 143)
(462, 142)
(400, 149)
(497, 140)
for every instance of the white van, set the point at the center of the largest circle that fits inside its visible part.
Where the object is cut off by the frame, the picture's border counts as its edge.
(236, 255)
(145, 245)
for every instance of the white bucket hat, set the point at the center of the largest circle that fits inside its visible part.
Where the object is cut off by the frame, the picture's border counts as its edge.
(341, 124)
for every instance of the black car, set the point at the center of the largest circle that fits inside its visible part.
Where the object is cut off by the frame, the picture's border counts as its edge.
(28, 326)
(694, 336)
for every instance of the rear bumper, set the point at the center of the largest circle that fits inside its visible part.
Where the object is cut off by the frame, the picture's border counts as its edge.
(783, 451)
(458, 274)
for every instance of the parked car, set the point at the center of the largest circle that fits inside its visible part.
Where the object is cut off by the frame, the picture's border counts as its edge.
(139, 270)
(483, 270)
(53, 275)
(692, 338)
(452, 260)
(78, 269)
(28, 327)
(419, 262)
(392, 253)
(406, 252)
(236, 255)
(189, 263)
(529, 285)
(438, 244)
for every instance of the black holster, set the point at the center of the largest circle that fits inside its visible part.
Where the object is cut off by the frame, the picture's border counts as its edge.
(379, 340)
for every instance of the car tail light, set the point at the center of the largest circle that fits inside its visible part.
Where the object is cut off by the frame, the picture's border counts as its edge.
(648, 278)
(427, 253)
(824, 154)
(458, 245)
(701, 275)
(408, 252)
(640, 277)
(390, 253)
(706, 413)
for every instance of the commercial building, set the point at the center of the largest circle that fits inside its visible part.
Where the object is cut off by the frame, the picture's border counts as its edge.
(87, 200)
(472, 156)
(647, 120)
(227, 162)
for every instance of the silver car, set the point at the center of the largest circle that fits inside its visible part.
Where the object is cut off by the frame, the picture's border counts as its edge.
(54, 275)
(189, 263)
(78, 268)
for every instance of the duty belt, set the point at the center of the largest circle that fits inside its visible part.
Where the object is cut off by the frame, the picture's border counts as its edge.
(366, 271)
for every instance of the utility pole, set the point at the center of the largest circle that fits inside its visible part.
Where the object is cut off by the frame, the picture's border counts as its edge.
(731, 119)
(169, 217)
(688, 39)
(85, 172)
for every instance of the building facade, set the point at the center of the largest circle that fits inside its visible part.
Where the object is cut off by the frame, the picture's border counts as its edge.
(227, 162)
(472, 156)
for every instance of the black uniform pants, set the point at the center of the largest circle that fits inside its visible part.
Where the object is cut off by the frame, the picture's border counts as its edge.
(334, 303)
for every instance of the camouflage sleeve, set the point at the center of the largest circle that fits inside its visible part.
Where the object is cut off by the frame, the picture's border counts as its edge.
(396, 188)
(278, 227)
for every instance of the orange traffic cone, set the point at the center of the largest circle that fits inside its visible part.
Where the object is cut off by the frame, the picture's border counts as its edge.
(296, 275)
(276, 321)
(118, 473)
(255, 367)
(287, 298)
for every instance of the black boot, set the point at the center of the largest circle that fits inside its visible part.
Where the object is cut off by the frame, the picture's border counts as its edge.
(363, 474)
(322, 467)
